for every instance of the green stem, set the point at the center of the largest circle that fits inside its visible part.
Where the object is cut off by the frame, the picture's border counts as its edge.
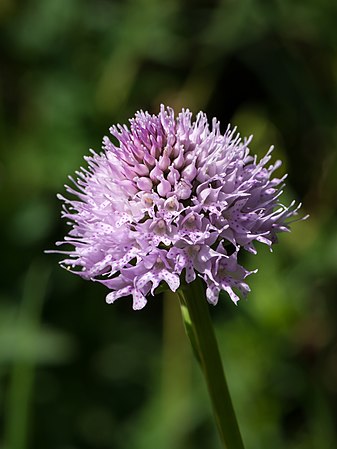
(200, 331)
(19, 400)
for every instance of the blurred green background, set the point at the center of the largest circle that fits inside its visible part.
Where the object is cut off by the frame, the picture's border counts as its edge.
(76, 373)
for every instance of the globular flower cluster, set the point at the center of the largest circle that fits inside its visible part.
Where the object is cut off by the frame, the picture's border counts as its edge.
(170, 199)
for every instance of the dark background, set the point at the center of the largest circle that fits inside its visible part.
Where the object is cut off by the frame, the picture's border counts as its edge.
(76, 373)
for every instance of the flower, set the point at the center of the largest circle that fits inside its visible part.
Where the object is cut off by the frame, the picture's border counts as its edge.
(168, 200)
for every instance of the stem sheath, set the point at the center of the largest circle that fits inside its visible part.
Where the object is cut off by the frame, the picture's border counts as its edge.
(200, 331)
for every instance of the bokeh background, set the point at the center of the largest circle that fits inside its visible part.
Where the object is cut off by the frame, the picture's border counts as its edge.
(76, 373)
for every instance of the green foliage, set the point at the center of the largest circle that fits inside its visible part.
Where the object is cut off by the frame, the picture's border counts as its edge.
(77, 373)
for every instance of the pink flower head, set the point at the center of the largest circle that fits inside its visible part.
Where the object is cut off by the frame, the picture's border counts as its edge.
(170, 199)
